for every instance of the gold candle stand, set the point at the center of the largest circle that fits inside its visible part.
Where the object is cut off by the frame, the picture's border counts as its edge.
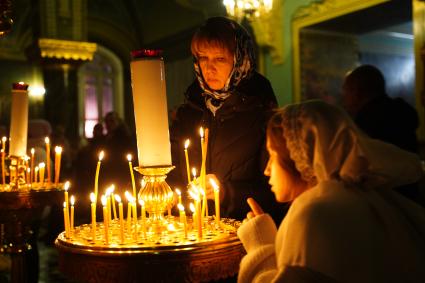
(155, 192)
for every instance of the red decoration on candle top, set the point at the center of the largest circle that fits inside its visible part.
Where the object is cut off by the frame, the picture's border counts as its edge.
(146, 53)
(20, 86)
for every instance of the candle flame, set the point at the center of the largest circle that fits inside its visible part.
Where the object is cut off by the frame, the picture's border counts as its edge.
(110, 190)
(128, 196)
(201, 132)
(181, 207)
(118, 198)
(32, 151)
(194, 172)
(103, 200)
(141, 202)
(192, 207)
(67, 185)
(58, 149)
(186, 144)
(41, 165)
(3, 139)
(129, 157)
(28, 170)
(47, 140)
(178, 192)
(101, 155)
(64, 204)
(92, 197)
(72, 200)
(36, 168)
(214, 184)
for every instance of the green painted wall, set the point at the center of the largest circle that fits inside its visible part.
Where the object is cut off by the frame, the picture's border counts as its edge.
(281, 75)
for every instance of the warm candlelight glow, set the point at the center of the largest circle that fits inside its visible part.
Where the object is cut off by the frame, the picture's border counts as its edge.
(3, 158)
(121, 216)
(183, 219)
(110, 191)
(201, 132)
(194, 173)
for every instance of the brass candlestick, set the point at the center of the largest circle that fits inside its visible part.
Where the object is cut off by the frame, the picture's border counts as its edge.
(155, 192)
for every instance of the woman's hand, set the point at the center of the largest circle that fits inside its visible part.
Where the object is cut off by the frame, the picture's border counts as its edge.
(255, 208)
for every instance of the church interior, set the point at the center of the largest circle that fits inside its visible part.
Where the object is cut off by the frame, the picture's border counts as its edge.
(75, 56)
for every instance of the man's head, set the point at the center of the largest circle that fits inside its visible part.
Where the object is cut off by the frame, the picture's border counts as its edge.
(361, 85)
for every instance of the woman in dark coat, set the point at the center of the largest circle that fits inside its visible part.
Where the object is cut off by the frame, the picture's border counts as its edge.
(233, 101)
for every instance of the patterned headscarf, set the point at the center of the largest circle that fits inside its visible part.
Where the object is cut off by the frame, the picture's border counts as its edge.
(325, 144)
(243, 66)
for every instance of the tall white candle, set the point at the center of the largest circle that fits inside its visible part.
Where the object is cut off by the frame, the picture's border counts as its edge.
(19, 120)
(150, 108)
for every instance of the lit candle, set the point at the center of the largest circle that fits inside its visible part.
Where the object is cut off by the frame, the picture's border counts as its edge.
(186, 145)
(183, 218)
(47, 141)
(96, 179)
(133, 204)
(41, 168)
(66, 188)
(58, 154)
(193, 210)
(133, 184)
(150, 109)
(121, 215)
(36, 174)
(194, 173)
(3, 158)
(179, 195)
(143, 212)
(128, 197)
(217, 201)
(66, 219)
(105, 219)
(29, 176)
(199, 217)
(204, 203)
(108, 204)
(72, 200)
(32, 164)
(19, 120)
(112, 189)
(93, 215)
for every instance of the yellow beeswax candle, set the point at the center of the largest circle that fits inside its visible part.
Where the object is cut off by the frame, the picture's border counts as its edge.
(105, 219)
(41, 168)
(217, 201)
(186, 145)
(93, 215)
(58, 156)
(121, 216)
(47, 141)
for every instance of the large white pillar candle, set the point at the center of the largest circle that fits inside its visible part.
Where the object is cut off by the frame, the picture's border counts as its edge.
(19, 120)
(150, 108)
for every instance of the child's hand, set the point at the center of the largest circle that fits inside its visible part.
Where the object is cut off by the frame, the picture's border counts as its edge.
(255, 207)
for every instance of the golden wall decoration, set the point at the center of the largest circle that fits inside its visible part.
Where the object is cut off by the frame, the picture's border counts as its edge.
(66, 49)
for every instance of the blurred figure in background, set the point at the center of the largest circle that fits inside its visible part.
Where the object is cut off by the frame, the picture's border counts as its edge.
(389, 119)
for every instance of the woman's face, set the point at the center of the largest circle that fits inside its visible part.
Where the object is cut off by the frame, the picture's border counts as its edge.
(283, 185)
(216, 63)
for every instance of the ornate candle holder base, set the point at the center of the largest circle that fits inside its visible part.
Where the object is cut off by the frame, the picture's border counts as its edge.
(170, 257)
(155, 192)
(17, 172)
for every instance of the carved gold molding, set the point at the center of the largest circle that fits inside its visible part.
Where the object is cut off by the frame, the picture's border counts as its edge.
(315, 13)
(268, 32)
(66, 49)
